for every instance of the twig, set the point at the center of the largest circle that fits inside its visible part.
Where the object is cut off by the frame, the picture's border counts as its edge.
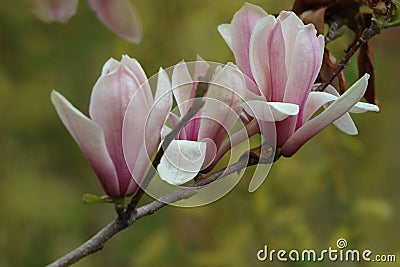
(98, 241)
(198, 103)
(368, 33)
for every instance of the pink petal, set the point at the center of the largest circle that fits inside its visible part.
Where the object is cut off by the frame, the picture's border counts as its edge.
(174, 119)
(182, 84)
(291, 26)
(223, 104)
(142, 126)
(119, 16)
(242, 27)
(305, 66)
(53, 10)
(337, 109)
(160, 111)
(237, 138)
(109, 101)
(134, 66)
(279, 75)
(259, 55)
(134, 132)
(200, 70)
(90, 138)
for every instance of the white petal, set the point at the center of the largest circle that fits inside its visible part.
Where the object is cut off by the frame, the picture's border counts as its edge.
(346, 124)
(315, 101)
(336, 110)
(318, 99)
(182, 84)
(182, 161)
(226, 32)
(362, 107)
(270, 111)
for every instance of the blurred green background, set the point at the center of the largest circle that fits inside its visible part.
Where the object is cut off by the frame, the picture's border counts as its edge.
(337, 186)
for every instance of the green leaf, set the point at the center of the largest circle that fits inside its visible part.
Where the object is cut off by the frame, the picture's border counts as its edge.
(94, 199)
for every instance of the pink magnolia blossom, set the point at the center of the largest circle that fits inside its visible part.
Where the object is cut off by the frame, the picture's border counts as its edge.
(283, 57)
(101, 137)
(119, 16)
(197, 147)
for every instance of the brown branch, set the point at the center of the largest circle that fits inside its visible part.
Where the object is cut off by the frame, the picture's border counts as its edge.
(98, 241)
(198, 103)
(368, 33)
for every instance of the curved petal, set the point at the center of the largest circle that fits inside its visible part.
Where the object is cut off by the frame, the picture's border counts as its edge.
(362, 107)
(133, 132)
(53, 10)
(226, 32)
(259, 55)
(242, 27)
(160, 111)
(336, 110)
(291, 26)
(346, 124)
(142, 127)
(134, 66)
(119, 16)
(90, 138)
(182, 161)
(304, 68)
(200, 71)
(277, 64)
(270, 111)
(238, 137)
(174, 119)
(109, 101)
(315, 101)
(182, 84)
(223, 104)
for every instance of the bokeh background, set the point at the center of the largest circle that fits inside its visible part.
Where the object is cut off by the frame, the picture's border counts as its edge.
(337, 186)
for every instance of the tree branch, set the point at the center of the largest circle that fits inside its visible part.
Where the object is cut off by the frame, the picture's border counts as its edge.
(198, 103)
(98, 241)
(368, 33)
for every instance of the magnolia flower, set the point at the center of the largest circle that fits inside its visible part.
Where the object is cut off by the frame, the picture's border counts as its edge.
(197, 146)
(100, 137)
(119, 16)
(283, 57)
